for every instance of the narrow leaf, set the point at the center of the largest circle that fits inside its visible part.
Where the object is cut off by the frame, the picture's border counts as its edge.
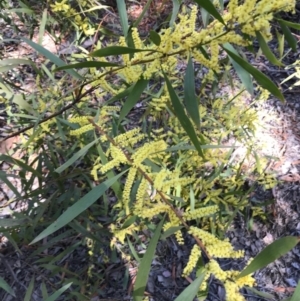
(289, 24)
(170, 232)
(85, 202)
(266, 50)
(6, 287)
(209, 7)
(155, 37)
(241, 72)
(175, 10)
(288, 35)
(190, 100)
(144, 268)
(183, 119)
(13, 222)
(42, 26)
(205, 17)
(5, 179)
(115, 50)
(270, 254)
(296, 295)
(29, 290)
(280, 39)
(59, 292)
(133, 98)
(53, 58)
(191, 291)
(123, 16)
(261, 294)
(76, 156)
(262, 79)
(88, 65)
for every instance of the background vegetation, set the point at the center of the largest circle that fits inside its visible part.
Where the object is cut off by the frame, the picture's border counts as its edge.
(125, 140)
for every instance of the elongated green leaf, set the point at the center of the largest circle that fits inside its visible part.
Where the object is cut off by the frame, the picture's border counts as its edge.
(266, 50)
(96, 8)
(20, 164)
(191, 291)
(22, 11)
(6, 287)
(5, 179)
(29, 290)
(80, 206)
(133, 98)
(183, 119)
(12, 222)
(15, 62)
(288, 35)
(280, 39)
(144, 268)
(241, 72)
(205, 17)
(42, 26)
(296, 295)
(44, 291)
(209, 7)
(115, 50)
(76, 156)
(7, 234)
(270, 254)
(170, 232)
(190, 100)
(87, 65)
(175, 10)
(155, 37)
(289, 24)
(50, 56)
(262, 79)
(123, 16)
(261, 294)
(59, 292)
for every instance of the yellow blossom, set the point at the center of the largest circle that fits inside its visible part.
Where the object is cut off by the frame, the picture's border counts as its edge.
(194, 257)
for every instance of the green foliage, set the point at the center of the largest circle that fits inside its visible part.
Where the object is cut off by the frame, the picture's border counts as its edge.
(106, 170)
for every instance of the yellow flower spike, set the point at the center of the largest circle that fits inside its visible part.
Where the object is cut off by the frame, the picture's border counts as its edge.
(146, 150)
(214, 246)
(142, 197)
(154, 210)
(82, 120)
(232, 292)
(127, 189)
(82, 130)
(194, 257)
(200, 212)
(60, 6)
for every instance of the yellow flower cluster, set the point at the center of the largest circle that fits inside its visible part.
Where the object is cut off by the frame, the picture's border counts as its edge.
(214, 246)
(120, 234)
(231, 282)
(81, 120)
(66, 10)
(141, 197)
(200, 212)
(118, 158)
(82, 130)
(193, 259)
(127, 188)
(129, 138)
(148, 150)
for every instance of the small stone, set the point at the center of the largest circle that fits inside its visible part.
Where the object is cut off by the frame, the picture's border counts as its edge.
(166, 274)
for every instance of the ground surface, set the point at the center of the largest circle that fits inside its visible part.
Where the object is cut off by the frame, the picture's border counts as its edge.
(281, 136)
